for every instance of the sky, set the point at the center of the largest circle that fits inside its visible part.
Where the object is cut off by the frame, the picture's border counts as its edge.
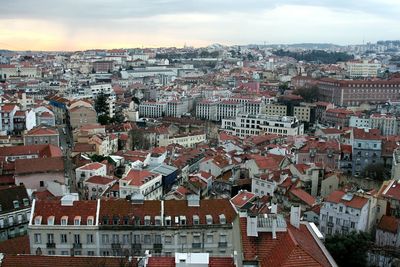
(86, 24)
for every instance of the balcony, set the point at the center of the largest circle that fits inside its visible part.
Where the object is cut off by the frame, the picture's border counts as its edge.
(222, 244)
(196, 245)
(157, 247)
(116, 246)
(77, 245)
(330, 224)
(136, 249)
(51, 245)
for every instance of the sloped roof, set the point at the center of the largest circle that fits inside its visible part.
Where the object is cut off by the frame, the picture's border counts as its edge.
(37, 165)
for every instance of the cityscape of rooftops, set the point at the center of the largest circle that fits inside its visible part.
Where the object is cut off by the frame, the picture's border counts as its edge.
(199, 133)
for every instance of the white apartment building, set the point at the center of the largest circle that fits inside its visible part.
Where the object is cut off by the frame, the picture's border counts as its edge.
(141, 182)
(152, 109)
(207, 110)
(247, 125)
(229, 109)
(385, 122)
(359, 122)
(187, 140)
(91, 169)
(363, 69)
(176, 108)
(343, 212)
(254, 107)
(115, 227)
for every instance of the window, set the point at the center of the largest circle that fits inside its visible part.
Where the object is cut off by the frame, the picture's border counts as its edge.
(157, 239)
(78, 253)
(182, 239)
(90, 253)
(147, 239)
(90, 220)
(146, 220)
(51, 252)
(352, 225)
(77, 220)
(89, 238)
(65, 252)
(337, 221)
(38, 220)
(340, 209)
(196, 220)
(64, 220)
(50, 220)
(77, 239)
(16, 204)
(125, 239)
(41, 183)
(331, 219)
(50, 238)
(210, 238)
(168, 239)
(209, 219)
(37, 238)
(115, 238)
(136, 239)
(105, 239)
(63, 238)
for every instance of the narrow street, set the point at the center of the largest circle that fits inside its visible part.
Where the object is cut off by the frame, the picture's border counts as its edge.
(65, 141)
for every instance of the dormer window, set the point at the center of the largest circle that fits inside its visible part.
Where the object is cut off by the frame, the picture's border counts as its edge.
(77, 220)
(16, 204)
(50, 220)
(64, 220)
(168, 220)
(146, 220)
(222, 219)
(137, 220)
(105, 220)
(90, 220)
(183, 220)
(38, 220)
(126, 220)
(115, 220)
(26, 202)
(209, 219)
(196, 219)
(157, 220)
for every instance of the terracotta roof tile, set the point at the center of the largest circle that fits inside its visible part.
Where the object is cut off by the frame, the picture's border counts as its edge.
(38, 165)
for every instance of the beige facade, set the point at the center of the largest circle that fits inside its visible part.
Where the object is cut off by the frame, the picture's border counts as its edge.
(302, 113)
(82, 115)
(273, 109)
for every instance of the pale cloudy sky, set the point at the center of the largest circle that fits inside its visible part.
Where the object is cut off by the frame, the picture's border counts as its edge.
(85, 24)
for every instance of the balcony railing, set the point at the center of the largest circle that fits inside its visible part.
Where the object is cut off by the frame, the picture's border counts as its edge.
(116, 245)
(77, 245)
(51, 245)
(196, 245)
(222, 244)
(330, 224)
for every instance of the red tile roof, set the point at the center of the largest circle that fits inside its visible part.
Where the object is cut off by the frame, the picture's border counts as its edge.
(82, 208)
(389, 224)
(296, 247)
(372, 134)
(124, 208)
(39, 165)
(303, 196)
(91, 166)
(17, 245)
(242, 198)
(62, 261)
(161, 262)
(356, 202)
(40, 150)
(138, 177)
(99, 180)
(391, 190)
(42, 130)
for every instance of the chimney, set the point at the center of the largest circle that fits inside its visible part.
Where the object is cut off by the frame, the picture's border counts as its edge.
(274, 228)
(274, 208)
(252, 226)
(295, 216)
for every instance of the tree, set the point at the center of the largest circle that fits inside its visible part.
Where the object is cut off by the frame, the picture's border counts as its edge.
(139, 140)
(309, 94)
(118, 117)
(375, 171)
(100, 104)
(103, 119)
(283, 87)
(350, 249)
